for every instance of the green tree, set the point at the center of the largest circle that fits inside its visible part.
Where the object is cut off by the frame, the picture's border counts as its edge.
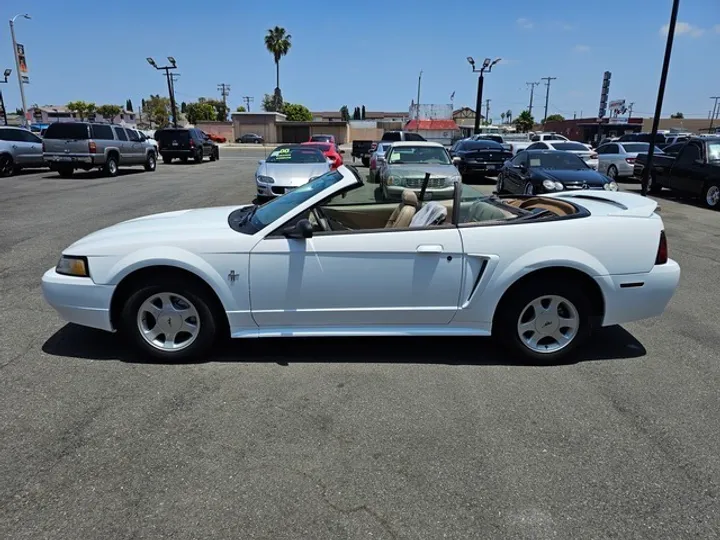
(240, 109)
(508, 115)
(83, 109)
(345, 113)
(158, 111)
(677, 115)
(183, 107)
(272, 103)
(502, 117)
(524, 122)
(356, 113)
(277, 42)
(109, 112)
(297, 113)
(221, 109)
(362, 113)
(129, 105)
(199, 112)
(555, 118)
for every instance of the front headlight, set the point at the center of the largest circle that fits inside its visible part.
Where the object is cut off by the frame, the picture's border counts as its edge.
(452, 180)
(264, 179)
(395, 181)
(73, 266)
(549, 185)
(611, 186)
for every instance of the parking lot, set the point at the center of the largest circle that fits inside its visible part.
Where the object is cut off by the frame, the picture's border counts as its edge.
(344, 438)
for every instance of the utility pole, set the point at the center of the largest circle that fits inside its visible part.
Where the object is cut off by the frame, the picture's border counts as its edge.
(714, 113)
(487, 111)
(248, 100)
(170, 82)
(532, 86)
(630, 108)
(417, 115)
(224, 92)
(547, 95)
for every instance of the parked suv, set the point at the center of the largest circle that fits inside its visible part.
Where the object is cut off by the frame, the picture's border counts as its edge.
(85, 145)
(19, 149)
(185, 144)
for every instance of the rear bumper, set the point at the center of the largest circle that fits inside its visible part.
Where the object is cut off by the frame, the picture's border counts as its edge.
(54, 159)
(173, 153)
(491, 167)
(78, 300)
(634, 297)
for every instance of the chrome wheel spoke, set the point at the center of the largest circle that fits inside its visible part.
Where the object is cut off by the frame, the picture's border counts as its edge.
(152, 334)
(168, 321)
(560, 338)
(548, 323)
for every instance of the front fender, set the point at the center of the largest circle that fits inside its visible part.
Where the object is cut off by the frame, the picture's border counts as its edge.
(171, 256)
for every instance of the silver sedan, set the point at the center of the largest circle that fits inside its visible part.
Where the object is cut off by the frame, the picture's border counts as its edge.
(288, 167)
(617, 159)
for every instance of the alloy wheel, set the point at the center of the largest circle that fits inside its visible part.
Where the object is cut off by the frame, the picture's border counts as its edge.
(168, 322)
(712, 196)
(548, 324)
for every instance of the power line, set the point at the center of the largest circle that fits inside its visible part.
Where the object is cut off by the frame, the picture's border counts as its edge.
(532, 86)
(248, 100)
(547, 95)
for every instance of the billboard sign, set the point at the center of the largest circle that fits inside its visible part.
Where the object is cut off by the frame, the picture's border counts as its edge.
(617, 106)
(22, 62)
(604, 94)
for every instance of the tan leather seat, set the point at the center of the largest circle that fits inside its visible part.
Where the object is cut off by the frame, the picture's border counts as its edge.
(403, 214)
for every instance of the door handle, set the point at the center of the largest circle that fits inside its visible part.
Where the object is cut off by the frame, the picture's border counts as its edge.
(430, 248)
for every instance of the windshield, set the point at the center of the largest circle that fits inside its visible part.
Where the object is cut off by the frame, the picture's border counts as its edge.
(276, 208)
(321, 138)
(419, 154)
(640, 147)
(320, 146)
(557, 160)
(296, 154)
(570, 147)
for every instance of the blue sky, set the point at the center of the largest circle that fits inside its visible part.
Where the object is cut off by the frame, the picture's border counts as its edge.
(369, 53)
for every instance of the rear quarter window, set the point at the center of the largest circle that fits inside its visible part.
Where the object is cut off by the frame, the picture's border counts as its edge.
(391, 136)
(102, 133)
(67, 131)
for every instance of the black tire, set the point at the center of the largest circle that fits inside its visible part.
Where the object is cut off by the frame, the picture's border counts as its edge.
(7, 167)
(499, 188)
(207, 319)
(151, 162)
(167, 159)
(612, 172)
(528, 189)
(653, 186)
(65, 172)
(213, 154)
(711, 195)
(366, 162)
(198, 156)
(515, 305)
(111, 166)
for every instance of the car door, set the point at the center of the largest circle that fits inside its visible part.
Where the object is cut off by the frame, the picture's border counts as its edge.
(607, 155)
(125, 147)
(685, 174)
(357, 279)
(136, 147)
(17, 147)
(29, 148)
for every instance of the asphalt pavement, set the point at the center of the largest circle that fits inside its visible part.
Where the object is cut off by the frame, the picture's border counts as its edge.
(343, 438)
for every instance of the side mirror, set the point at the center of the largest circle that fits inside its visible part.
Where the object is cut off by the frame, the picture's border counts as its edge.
(456, 160)
(301, 230)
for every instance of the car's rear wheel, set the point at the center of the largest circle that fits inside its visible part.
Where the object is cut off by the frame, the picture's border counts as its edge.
(170, 320)
(612, 172)
(111, 166)
(711, 195)
(151, 162)
(7, 167)
(199, 156)
(544, 320)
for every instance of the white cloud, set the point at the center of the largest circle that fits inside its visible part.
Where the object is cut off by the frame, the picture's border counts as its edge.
(683, 28)
(582, 48)
(524, 23)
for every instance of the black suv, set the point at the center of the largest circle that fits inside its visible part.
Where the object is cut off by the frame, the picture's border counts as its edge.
(185, 144)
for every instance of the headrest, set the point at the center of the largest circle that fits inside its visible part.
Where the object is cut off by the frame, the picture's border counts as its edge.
(409, 197)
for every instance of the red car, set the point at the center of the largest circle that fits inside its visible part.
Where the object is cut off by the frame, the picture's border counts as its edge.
(330, 151)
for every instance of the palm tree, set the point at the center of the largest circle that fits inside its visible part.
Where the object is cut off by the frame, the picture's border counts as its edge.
(508, 114)
(277, 42)
(502, 117)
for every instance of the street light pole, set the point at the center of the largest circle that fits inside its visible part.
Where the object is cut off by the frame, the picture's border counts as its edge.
(660, 96)
(486, 66)
(17, 63)
(171, 86)
(2, 100)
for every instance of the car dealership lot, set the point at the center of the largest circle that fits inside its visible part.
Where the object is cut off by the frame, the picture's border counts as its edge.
(343, 438)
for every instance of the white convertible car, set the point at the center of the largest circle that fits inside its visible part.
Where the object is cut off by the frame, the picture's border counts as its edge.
(332, 258)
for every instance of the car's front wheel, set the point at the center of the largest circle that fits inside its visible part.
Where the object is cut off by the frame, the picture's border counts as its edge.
(711, 195)
(499, 188)
(529, 189)
(544, 320)
(170, 319)
(7, 168)
(151, 162)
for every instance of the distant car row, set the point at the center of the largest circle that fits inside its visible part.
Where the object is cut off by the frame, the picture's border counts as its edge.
(69, 146)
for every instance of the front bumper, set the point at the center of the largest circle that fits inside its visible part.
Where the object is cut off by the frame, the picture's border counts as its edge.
(78, 300)
(634, 297)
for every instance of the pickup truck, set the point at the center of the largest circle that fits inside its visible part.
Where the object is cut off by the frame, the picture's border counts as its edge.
(365, 149)
(694, 170)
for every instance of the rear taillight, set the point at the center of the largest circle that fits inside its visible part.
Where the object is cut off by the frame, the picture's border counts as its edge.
(662, 252)
(192, 143)
(92, 147)
(630, 160)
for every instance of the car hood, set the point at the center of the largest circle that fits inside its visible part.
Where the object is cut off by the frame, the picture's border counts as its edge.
(419, 170)
(292, 174)
(569, 177)
(178, 228)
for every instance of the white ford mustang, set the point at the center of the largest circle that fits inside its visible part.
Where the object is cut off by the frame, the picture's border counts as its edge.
(331, 258)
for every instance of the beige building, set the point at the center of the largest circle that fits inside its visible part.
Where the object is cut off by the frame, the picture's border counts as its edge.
(694, 125)
(275, 128)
